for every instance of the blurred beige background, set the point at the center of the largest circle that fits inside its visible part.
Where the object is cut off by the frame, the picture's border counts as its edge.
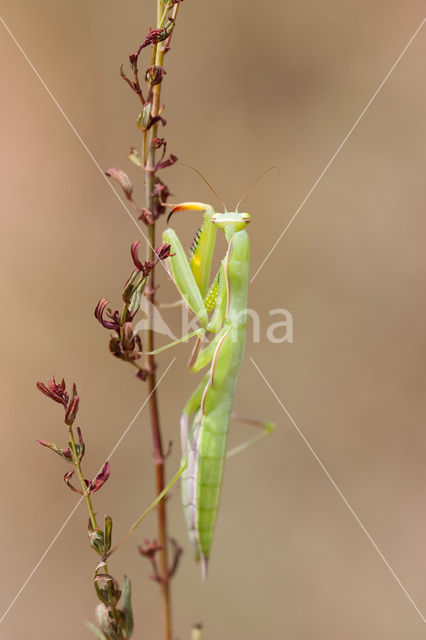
(247, 86)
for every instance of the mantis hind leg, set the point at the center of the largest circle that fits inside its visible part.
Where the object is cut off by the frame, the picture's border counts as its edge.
(268, 428)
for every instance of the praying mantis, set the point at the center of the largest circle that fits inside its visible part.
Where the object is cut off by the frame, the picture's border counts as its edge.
(220, 309)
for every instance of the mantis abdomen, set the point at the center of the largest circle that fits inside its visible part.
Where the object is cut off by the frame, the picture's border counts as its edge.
(208, 437)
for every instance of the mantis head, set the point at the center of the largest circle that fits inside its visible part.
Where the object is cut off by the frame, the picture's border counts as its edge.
(231, 220)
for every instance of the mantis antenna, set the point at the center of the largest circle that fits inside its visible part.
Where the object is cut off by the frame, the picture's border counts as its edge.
(252, 185)
(206, 181)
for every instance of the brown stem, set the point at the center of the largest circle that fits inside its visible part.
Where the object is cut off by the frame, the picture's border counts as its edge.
(158, 451)
(149, 165)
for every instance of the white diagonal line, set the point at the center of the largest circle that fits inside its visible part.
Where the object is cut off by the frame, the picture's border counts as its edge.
(340, 493)
(333, 157)
(62, 527)
(77, 135)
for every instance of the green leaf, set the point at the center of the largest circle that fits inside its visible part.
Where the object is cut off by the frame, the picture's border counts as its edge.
(107, 534)
(127, 607)
(135, 157)
(144, 117)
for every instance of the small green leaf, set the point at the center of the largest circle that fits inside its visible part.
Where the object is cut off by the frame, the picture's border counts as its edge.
(97, 540)
(107, 534)
(136, 297)
(134, 157)
(127, 607)
(144, 116)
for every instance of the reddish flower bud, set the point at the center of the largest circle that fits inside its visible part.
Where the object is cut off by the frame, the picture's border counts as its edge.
(67, 480)
(135, 255)
(154, 35)
(168, 162)
(80, 446)
(100, 479)
(163, 251)
(54, 391)
(122, 179)
(92, 485)
(146, 216)
(113, 322)
(158, 142)
(150, 549)
(64, 453)
(128, 340)
(71, 412)
(155, 74)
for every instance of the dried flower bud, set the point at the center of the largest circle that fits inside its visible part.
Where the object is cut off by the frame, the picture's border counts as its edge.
(64, 453)
(160, 193)
(71, 412)
(127, 339)
(155, 74)
(168, 162)
(122, 179)
(100, 479)
(67, 480)
(107, 588)
(80, 446)
(176, 554)
(150, 549)
(142, 374)
(133, 85)
(156, 143)
(154, 35)
(153, 120)
(113, 322)
(97, 539)
(92, 485)
(162, 252)
(146, 216)
(55, 391)
(135, 255)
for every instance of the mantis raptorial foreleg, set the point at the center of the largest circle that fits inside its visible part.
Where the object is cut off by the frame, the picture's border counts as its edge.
(268, 428)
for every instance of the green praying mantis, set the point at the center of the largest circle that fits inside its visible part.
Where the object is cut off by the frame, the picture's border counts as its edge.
(220, 309)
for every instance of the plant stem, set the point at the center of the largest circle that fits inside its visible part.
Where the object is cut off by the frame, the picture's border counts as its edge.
(148, 152)
(88, 500)
(84, 488)
(157, 440)
(149, 163)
